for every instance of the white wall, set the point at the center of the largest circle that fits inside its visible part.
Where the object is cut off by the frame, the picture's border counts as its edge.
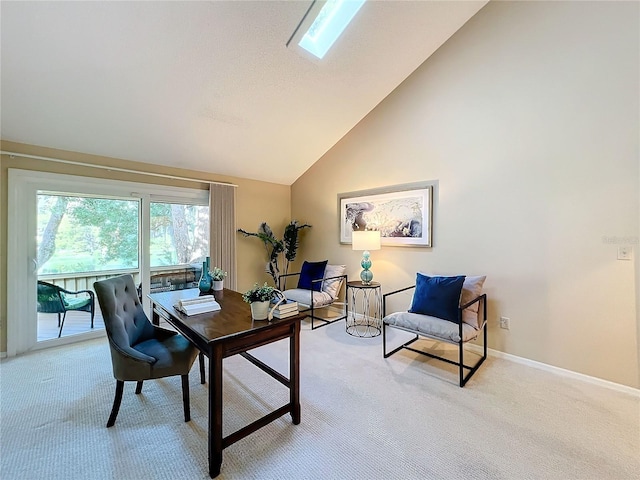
(528, 119)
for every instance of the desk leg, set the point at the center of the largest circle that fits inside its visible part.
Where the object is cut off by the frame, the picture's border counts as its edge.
(215, 411)
(294, 372)
(155, 318)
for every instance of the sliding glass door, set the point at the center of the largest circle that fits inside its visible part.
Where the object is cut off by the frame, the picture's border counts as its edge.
(179, 233)
(178, 244)
(70, 231)
(81, 239)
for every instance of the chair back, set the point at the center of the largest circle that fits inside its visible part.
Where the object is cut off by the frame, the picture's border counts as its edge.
(49, 300)
(124, 319)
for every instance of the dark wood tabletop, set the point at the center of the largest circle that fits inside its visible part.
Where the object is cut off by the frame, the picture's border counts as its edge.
(233, 319)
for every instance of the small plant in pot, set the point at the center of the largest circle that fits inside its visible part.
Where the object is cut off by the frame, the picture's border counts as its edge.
(217, 278)
(259, 298)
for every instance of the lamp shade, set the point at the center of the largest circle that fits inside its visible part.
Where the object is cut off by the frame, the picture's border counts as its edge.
(365, 240)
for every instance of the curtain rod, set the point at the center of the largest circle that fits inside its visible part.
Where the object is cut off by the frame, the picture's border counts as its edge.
(116, 169)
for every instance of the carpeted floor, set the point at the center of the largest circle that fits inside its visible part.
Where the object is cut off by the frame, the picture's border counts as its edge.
(363, 417)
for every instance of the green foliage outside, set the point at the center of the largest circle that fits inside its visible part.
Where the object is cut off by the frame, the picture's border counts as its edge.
(97, 234)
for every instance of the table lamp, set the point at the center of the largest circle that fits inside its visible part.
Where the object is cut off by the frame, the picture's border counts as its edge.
(365, 240)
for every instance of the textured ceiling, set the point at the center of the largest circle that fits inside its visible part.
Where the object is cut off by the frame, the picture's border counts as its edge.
(208, 86)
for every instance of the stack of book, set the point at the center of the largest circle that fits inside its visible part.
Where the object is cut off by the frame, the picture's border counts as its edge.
(288, 308)
(194, 306)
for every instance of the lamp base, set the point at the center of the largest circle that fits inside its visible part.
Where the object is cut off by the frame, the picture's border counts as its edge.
(366, 275)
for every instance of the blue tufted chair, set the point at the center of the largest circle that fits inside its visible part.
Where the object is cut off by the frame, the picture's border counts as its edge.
(140, 350)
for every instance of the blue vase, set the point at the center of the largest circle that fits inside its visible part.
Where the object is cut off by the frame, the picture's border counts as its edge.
(205, 279)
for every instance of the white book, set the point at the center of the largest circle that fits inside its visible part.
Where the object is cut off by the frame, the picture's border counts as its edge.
(196, 300)
(286, 305)
(194, 306)
(277, 314)
(287, 309)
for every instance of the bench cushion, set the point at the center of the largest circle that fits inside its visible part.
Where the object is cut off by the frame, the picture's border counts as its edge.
(431, 326)
(71, 303)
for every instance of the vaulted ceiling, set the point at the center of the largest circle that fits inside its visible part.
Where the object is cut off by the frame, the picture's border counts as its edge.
(208, 86)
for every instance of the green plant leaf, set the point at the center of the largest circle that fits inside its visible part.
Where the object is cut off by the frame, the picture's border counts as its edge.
(290, 239)
(275, 249)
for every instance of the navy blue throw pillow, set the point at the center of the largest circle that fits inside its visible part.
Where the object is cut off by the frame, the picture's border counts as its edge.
(311, 271)
(437, 296)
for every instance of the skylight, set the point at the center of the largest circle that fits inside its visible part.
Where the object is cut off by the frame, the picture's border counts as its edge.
(328, 25)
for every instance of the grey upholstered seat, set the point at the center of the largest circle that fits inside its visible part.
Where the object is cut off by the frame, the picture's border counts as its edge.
(140, 350)
(431, 327)
(309, 297)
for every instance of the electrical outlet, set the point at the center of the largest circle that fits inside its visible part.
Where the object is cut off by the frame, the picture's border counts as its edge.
(504, 323)
(625, 252)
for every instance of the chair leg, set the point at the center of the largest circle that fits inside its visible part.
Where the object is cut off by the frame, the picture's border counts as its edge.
(384, 340)
(64, 315)
(461, 367)
(58, 319)
(386, 354)
(472, 370)
(116, 403)
(139, 387)
(185, 397)
(93, 313)
(202, 374)
(312, 316)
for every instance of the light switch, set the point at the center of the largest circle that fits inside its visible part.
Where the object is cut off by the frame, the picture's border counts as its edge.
(625, 253)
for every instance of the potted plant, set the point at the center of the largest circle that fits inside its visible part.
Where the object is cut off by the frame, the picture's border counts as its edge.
(259, 298)
(278, 251)
(217, 278)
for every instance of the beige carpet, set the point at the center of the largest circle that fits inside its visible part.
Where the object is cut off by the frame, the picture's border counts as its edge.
(363, 417)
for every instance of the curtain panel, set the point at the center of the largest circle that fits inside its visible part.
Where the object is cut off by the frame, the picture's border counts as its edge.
(222, 235)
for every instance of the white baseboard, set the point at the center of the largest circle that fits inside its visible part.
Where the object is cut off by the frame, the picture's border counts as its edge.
(56, 342)
(559, 371)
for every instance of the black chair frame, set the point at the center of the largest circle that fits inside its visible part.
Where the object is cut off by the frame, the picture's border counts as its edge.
(460, 363)
(311, 310)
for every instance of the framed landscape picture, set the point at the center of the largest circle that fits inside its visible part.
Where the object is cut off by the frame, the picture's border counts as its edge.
(402, 214)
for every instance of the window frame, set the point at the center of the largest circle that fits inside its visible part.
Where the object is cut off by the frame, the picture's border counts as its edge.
(23, 187)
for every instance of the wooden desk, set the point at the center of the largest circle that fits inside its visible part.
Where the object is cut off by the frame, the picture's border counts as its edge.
(227, 332)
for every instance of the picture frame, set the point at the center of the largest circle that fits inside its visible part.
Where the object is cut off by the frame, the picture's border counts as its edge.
(402, 213)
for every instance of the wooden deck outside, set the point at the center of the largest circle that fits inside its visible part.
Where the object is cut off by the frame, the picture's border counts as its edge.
(80, 322)
(75, 323)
